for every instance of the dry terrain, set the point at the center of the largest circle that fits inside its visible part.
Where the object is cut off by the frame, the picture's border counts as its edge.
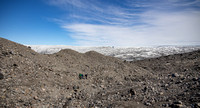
(30, 79)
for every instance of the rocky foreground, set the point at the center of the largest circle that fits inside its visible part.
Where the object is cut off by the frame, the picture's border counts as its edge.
(30, 79)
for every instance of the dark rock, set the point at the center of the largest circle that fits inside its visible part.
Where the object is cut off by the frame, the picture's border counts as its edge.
(132, 92)
(11, 53)
(195, 79)
(1, 76)
(178, 82)
(15, 65)
(165, 105)
(197, 67)
(126, 78)
(192, 99)
(183, 78)
(5, 53)
(177, 104)
(27, 104)
(175, 75)
(145, 89)
(20, 55)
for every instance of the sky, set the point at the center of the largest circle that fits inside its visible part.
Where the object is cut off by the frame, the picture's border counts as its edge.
(101, 22)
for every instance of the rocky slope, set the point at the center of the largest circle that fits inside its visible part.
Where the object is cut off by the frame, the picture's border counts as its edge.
(178, 78)
(30, 79)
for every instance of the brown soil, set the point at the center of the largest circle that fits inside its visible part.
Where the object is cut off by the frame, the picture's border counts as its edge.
(29, 79)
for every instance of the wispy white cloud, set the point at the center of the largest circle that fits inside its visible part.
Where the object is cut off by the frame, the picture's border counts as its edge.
(164, 29)
(64, 3)
(94, 11)
(135, 24)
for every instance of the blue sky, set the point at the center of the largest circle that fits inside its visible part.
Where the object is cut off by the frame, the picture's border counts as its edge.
(101, 22)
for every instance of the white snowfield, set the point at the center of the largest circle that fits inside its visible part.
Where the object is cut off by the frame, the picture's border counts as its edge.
(125, 53)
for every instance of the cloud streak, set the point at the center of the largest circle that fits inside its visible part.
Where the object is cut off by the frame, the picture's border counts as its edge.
(131, 23)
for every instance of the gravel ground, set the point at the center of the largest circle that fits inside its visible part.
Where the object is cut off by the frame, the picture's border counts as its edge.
(30, 79)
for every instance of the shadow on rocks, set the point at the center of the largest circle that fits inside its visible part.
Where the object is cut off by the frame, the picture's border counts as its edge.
(1, 76)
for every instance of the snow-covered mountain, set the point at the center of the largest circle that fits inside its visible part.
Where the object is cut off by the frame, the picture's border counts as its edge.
(125, 53)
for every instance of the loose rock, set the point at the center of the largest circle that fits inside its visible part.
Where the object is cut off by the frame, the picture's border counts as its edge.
(1, 76)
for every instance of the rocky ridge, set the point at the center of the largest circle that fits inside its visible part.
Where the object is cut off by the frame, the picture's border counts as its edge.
(30, 79)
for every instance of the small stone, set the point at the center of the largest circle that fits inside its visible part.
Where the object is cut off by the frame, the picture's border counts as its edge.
(1, 76)
(195, 79)
(165, 105)
(175, 75)
(42, 99)
(23, 92)
(153, 89)
(11, 52)
(177, 106)
(132, 92)
(35, 97)
(27, 104)
(102, 86)
(43, 89)
(197, 83)
(3, 90)
(120, 83)
(183, 78)
(93, 86)
(197, 105)
(147, 104)
(178, 102)
(15, 65)
(178, 82)
(145, 89)
(75, 87)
